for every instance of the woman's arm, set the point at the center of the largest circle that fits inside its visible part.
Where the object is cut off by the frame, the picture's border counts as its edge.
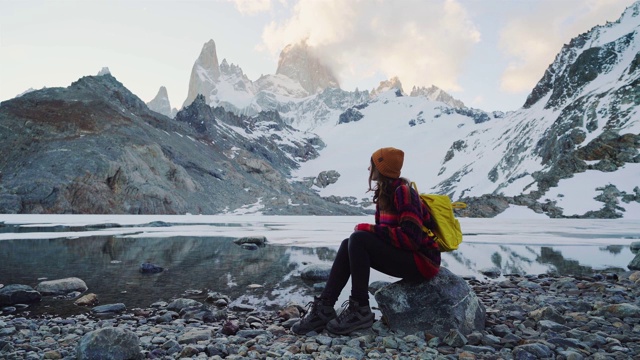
(408, 234)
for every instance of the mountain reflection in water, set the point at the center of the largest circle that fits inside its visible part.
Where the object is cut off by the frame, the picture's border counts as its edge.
(196, 265)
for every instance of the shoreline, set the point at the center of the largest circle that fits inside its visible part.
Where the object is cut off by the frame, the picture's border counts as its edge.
(546, 315)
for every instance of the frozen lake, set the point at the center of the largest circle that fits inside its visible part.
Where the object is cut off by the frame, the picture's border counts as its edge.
(199, 254)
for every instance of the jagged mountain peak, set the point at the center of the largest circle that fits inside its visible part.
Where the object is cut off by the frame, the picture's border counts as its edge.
(160, 103)
(392, 84)
(205, 72)
(436, 94)
(300, 63)
(588, 60)
(104, 71)
(208, 58)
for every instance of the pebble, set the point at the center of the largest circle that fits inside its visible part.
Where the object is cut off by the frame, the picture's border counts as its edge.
(530, 317)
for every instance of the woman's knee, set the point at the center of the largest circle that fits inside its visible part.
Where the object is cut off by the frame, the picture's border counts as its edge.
(344, 246)
(360, 239)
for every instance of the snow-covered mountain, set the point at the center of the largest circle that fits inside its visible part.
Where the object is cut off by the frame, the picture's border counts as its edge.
(295, 143)
(572, 150)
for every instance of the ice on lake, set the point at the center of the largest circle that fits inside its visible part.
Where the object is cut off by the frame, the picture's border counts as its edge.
(199, 254)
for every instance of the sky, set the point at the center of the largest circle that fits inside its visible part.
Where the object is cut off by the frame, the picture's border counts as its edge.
(487, 53)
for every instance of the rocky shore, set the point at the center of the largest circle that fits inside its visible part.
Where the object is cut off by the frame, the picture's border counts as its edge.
(528, 317)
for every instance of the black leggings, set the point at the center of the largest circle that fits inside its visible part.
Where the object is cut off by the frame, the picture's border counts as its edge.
(357, 254)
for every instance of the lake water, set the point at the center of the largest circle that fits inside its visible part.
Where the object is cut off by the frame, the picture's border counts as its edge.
(199, 255)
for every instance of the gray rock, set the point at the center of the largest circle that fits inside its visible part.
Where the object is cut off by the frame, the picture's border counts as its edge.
(539, 351)
(179, 304)
(256, 240)
(61, 286)
(316, 272)
(492, 273)
(251, 247)
(635, 263)
(547, 313)
(326, 178)
(109, 344)
(620, 310)
(109, 308)
(192, 337)
(242, 307)
(455, 339)
(546, 325)
(149, 268)
(437, 306)
(377, 285)
(18, 294)
(635, 247)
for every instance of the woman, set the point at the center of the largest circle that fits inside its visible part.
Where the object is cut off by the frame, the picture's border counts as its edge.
(395, 245)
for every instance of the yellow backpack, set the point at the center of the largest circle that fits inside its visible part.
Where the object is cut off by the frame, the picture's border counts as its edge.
(447, 228)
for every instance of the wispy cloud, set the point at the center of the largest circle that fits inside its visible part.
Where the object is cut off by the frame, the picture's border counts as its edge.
(421, 42)
(252, 7)
(531, 40)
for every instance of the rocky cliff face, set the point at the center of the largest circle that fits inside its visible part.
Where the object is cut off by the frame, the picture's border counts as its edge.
(94, 147)
(581, 117)
(298, 62)
(204, 74)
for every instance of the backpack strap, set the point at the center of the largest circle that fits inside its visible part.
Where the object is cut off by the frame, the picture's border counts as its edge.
(424, 228)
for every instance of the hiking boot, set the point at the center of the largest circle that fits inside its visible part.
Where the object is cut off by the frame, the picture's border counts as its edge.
(316, 317)
(352, 317)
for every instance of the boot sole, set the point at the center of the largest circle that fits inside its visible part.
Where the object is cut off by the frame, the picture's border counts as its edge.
(350, 330)
(317, 329)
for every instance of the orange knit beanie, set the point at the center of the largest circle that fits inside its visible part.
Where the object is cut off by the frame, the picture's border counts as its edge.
(388, 161)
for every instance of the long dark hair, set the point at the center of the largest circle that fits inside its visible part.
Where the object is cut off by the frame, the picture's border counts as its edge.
(383, 191)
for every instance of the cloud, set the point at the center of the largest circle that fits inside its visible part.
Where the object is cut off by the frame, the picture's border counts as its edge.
(252, 7)
(421, 42)
(531, 40)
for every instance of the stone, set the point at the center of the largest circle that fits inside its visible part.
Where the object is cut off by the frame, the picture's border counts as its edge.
(149, 268)
(539, 351)
(436, 306)
(251, 247)
(492, 273)
(547, 313)
(61, 286)
(18, 294)
(218, 299)
(87, 300)
(255, 240)
(377, 285)
(182, 303)
(230, 327)
(316, 272)
(546, 325)
(620, 310)
(455, 339)
(635, 263)
(193, 336)
(109, 308)
(109, 344)
(635, 247)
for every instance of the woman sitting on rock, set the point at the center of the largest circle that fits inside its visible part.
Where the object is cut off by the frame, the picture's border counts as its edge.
(395, 245)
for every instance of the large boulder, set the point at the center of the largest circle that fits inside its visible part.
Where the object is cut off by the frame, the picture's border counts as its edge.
(635, 263)
(61, 286)
(316, 272)
(18, 294)
(436, 306)
(109, 344)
